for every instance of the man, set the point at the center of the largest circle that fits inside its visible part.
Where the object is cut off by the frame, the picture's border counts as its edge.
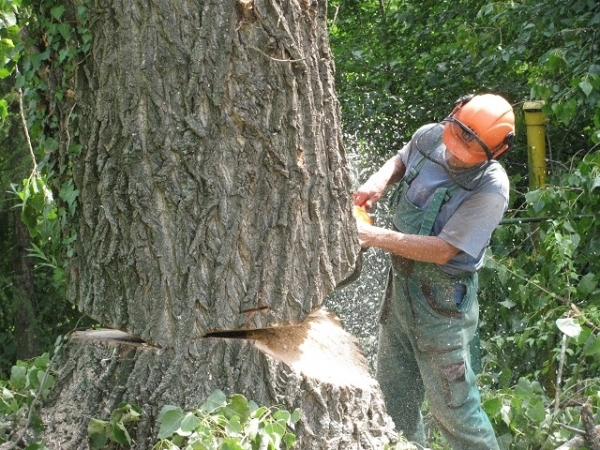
(452, 195)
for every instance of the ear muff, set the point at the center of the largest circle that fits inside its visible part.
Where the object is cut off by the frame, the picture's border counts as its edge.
(464, 99)
(509, 141)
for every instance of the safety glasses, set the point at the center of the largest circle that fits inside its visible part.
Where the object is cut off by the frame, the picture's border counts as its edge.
(468, 135)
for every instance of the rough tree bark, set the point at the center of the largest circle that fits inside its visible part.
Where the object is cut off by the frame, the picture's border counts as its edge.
(214, 196)
(213, 178)
(293, 366)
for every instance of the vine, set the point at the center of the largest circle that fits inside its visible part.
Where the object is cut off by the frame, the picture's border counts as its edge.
(43, 45)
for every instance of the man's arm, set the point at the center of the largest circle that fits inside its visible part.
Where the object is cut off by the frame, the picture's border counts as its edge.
(431, 249)
(420, 248)
(372, 190)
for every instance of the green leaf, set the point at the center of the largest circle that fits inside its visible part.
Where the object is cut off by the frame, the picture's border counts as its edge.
(504, 377)
(170, 418)
(259, 412)
(3, 109)
(98, 432)
(214, 401)
(126, 413)
(289, 440)
(98, 441)
(592, 346)
(587, 284)
(238, 406)
(296, 415)
(536, 411)
(275, 432)
(586, 332)
(18, 376)
(7, 395)
(586, 87)
(523, 388)
(282, 415)
(189, 423)
(57, 12)
(234, 427)
(42, 361)
(492, 406)
(231, 444)
(120, 434)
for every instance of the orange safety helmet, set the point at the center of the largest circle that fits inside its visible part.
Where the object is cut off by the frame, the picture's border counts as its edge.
(479, 128)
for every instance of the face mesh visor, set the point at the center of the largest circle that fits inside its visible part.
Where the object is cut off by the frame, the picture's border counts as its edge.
(430, 146)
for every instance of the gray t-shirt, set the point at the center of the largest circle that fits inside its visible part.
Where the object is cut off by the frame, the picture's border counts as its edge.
(476, 207)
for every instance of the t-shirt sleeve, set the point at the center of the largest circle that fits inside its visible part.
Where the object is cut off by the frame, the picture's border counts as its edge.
(403, 154)
(472, 224)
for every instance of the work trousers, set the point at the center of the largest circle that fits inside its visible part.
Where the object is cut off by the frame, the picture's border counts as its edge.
(424, 353)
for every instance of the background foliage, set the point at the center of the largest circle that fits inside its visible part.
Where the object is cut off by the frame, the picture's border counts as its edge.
(400, 64)
(35, 201)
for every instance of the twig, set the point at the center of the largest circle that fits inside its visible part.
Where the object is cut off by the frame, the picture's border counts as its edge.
(335, 15)
(561, 363)
(26, 131)
(571, 429)
(576, 442)
(586, 321)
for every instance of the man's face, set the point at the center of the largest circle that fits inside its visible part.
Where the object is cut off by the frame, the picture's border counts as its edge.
(456, 164)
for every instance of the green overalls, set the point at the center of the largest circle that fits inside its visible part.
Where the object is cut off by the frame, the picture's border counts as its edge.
(424, 340)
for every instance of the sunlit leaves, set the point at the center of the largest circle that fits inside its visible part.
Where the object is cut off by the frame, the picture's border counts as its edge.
(227, 423)
(30, 383)
(101, 432)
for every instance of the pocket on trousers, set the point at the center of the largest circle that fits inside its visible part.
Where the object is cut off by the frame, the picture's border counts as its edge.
(440, 298)
(437, 320)
(456, 388)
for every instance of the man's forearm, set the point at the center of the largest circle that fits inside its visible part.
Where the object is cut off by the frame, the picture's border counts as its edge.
(431, 249)
(391, 172)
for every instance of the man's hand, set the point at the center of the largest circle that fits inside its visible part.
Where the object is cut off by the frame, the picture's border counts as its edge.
(368, 194)
(372, 190)
(366, 234)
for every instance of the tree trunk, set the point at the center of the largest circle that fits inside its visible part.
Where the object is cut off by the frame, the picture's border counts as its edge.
(214, 197)
(26, 330)
(314, 367)
(214, 188)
